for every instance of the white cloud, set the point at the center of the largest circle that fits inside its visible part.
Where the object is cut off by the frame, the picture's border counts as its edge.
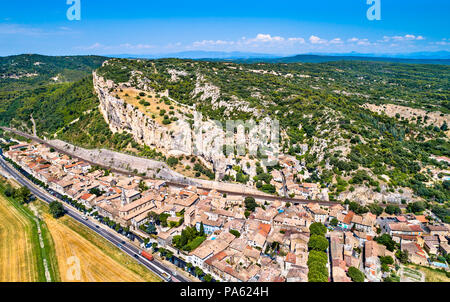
(18, 29)
(407, 37)
(93, 46)
(336, 41)
(137, 46)
(316, 40)
(14, 29)
(211, 43)
(267, 38)
(298, 40)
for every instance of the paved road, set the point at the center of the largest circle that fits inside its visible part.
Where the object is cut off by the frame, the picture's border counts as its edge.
(155, 266)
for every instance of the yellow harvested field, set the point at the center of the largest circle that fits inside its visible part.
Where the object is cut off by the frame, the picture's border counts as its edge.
(18, 262)
(74, 251)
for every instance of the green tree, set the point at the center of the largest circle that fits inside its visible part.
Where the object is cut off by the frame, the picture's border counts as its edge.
(208, 278)
(202, 229)
(392, 209)
(318, 243)
(235, 233)
(317, 228)
(57, 209)
(386, 260)
(23, 194)
(355, 274)
(172, 161)
(375, 209)
(334, 221)
(198, 271)
(250, 203)
(402, 256)
(387, 241)
(151, 229)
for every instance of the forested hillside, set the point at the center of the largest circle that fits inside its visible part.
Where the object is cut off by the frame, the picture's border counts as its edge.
(342, 143)
(51, 90)
(29, 71)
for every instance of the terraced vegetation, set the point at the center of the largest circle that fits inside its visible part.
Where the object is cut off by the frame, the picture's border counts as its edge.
(411, 275)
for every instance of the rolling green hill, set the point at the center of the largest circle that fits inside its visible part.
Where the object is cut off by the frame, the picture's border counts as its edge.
(29, 71)
(52, 90)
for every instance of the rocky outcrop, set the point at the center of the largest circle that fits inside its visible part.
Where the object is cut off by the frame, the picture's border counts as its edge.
(205, 138)
(365, 196)
(122, 116)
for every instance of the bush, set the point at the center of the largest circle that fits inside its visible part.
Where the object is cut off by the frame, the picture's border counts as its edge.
(56, 209)
(235, 233)
(250, 204)
(392, 209)
(355, 274)
(334, 221)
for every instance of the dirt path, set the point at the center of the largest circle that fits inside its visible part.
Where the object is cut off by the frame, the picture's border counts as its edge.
(34, 124)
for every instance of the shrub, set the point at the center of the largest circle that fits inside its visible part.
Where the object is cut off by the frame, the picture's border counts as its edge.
(355, 274)
(235, 233)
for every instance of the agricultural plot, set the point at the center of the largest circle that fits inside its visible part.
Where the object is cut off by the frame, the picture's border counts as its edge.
(17, 249)
(25, 245)
(83, 256)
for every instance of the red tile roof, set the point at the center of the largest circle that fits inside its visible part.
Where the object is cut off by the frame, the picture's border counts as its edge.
(348, 218)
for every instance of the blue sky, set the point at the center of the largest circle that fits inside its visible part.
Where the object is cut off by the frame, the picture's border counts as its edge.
(277, 27)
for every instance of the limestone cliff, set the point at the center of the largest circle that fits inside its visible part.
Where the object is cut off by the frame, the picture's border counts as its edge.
(204, 138)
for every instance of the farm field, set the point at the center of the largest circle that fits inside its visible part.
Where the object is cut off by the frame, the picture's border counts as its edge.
(26, 248)
(17, 249)
(97, 259)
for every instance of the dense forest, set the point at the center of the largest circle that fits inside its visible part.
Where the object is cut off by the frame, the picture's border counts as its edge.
(24, 72)
(52, 91)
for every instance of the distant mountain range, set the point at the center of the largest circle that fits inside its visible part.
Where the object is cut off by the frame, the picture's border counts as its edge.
(441, 57)
(201, 55)
(322, 59)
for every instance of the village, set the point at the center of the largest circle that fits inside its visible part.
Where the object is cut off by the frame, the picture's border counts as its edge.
(235, 238)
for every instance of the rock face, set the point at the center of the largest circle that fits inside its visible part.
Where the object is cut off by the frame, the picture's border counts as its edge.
(205, 138)
(122, 116)
(366, 196)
